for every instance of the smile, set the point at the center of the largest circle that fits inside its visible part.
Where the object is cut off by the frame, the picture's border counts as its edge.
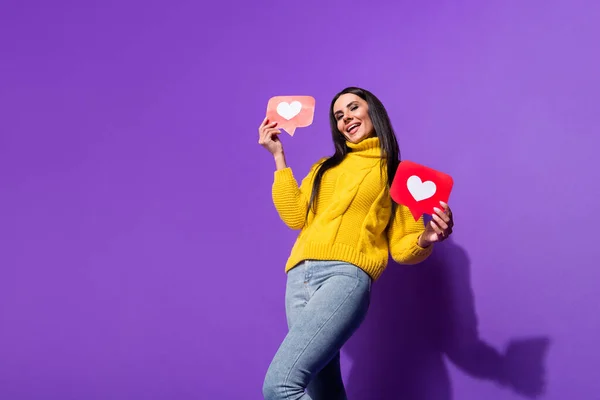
(353, 128)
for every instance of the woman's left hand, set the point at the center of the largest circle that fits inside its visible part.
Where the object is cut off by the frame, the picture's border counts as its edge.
(439, 228)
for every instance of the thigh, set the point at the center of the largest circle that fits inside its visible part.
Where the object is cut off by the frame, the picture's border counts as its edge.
(296, 293)
(339, 300)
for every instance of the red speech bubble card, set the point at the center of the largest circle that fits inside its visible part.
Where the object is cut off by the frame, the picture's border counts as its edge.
(291, 112)
(420, 188)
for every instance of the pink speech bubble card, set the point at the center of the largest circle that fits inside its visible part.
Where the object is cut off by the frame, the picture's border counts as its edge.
(291, 112)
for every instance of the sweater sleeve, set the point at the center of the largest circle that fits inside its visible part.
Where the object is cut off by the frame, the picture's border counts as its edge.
(403, 235)
(291, 200)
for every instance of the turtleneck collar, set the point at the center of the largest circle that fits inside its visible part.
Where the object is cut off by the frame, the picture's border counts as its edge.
(366, 148)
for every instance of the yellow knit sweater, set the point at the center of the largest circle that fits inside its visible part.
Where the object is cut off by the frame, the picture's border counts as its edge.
(352, 222)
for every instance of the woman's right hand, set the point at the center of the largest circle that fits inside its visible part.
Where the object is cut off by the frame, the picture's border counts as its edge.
(268, 137)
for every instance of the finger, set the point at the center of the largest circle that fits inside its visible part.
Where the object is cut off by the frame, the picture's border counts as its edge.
(265, 136)
(435, 228)
(440, 222)
(269, 135)
(446, 232)
(264, 126)
(270, 127)
(445, 206)
(273, 132)
(448, 212)
(443, 216)
(268, 132)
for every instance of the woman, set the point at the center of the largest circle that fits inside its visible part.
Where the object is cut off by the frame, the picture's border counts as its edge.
(348, 226)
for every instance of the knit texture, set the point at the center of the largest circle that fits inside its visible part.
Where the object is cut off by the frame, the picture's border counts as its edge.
(353, 215)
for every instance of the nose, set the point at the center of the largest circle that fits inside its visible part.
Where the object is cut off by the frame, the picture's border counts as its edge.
(347, 118)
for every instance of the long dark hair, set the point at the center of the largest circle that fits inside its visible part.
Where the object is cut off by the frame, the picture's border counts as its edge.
(390, 151)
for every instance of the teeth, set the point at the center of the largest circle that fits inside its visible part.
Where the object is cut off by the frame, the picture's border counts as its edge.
(352, 127)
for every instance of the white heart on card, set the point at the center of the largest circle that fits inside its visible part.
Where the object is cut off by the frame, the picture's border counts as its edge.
(289, 110)
(420, 190)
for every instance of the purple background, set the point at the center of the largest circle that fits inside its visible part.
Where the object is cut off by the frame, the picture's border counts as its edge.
(142, 258)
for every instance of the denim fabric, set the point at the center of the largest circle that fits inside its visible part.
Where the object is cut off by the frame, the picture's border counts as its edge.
(326, 301)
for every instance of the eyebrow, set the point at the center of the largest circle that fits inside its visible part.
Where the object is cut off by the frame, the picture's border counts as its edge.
(347, 106)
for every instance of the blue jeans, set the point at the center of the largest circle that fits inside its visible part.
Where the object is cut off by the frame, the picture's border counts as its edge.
(325, 301)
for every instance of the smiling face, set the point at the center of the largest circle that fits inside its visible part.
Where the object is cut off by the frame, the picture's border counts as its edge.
(352, 116)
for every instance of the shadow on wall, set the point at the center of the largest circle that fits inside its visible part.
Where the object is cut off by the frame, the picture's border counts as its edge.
(419, 315)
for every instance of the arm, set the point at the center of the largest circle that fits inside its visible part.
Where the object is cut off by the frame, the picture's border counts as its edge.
(291, 200)
(404, 235)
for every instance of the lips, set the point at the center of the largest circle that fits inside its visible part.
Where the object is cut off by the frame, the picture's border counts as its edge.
(352, 128)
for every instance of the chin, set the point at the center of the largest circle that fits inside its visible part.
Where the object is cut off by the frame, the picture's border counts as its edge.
(357, 137)
(356, 140)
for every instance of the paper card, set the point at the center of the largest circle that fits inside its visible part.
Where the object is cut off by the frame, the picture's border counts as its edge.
(291, 112)
(420, 188)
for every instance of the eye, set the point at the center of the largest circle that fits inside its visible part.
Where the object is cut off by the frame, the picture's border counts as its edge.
(354, 107)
